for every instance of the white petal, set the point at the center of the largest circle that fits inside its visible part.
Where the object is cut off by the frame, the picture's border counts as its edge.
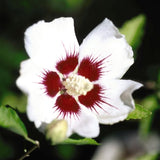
(118, 94)
(86, 125)
(40, 109)
(105, 41)
(30, 77)
(47, 42)
(40, 106)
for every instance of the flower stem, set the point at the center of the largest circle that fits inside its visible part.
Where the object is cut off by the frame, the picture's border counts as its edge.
(31, 140)
(36, 145)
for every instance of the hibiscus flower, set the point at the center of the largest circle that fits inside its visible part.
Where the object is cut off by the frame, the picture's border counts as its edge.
(80, 84)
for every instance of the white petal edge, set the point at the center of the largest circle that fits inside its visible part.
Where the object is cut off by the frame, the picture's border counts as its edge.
(105, 41)
(40, 105)
(48, 42)
(119, 96)
(30, 77)
(40, 109)
(86, 125)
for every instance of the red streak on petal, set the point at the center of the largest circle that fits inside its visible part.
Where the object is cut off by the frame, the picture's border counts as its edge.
(67, 105)
(68, 64)
(94, 98)
(91, 68)
(52, 83)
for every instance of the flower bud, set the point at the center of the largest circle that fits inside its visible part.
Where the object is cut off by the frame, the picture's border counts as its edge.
(56, 131)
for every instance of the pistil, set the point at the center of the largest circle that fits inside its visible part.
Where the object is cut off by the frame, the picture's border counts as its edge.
(77, 85)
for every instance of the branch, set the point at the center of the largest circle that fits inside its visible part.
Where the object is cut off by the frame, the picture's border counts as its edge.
(37, 145)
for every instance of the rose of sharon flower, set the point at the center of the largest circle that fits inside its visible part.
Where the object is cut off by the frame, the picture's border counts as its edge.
(80, 84)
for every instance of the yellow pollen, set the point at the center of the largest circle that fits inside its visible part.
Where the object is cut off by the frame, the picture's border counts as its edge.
(77, 85)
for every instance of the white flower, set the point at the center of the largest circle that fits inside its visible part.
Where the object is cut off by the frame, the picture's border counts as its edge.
(80, 84)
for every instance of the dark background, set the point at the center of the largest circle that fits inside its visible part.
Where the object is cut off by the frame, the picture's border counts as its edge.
(17, 15)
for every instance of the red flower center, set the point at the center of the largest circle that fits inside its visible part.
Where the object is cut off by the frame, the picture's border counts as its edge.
(90, 68)
(68, 64)
(52, 83)
(67, 105)
(73, 86)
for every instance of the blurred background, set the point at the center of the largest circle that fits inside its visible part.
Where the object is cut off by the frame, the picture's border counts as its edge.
(17, 15)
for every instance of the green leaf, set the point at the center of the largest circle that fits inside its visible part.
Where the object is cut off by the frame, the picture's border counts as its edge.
(153, 156)
(134, 30)
(10, 120)
(139, 113)
(84, 141)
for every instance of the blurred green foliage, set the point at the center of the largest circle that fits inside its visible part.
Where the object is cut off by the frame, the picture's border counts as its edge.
(10, 58)
(17, 102)
(67, 5)
(150, 103)
(6, 150)
(134, 30)
(151, 156)
(66, 152)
